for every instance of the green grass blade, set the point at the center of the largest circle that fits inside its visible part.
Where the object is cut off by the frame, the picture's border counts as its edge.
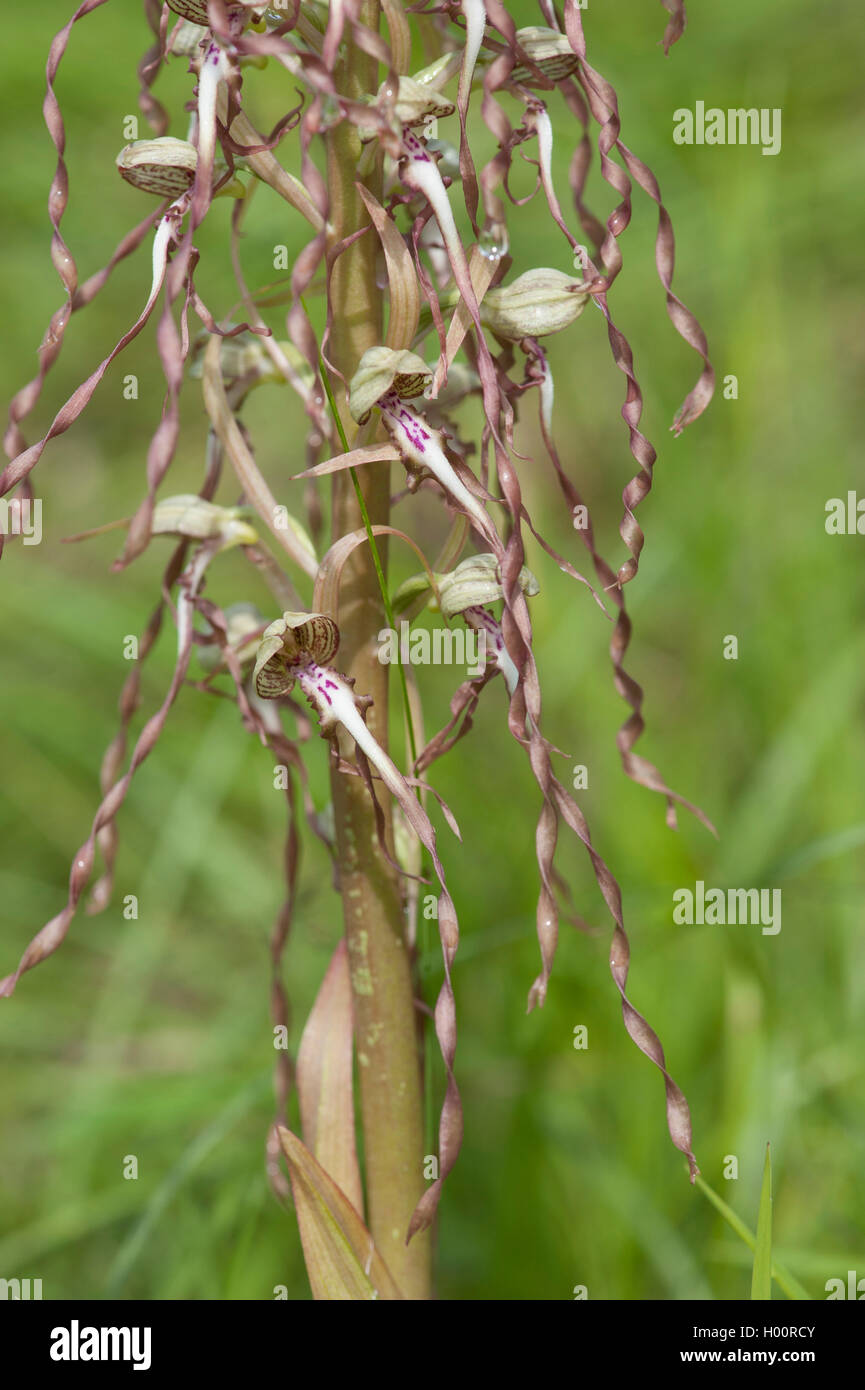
(782, 1276)
(761, 1279)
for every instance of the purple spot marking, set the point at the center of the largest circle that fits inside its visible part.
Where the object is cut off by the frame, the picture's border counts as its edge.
(415, 148)
(403, 418)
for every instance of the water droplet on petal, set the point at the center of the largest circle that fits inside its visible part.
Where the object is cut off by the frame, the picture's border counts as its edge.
(493, 240)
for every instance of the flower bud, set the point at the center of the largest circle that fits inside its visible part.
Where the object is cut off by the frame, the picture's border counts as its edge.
(193, 517)
(245, 356)
(462, 381)
(241, 621)
(550, 52)
(165, 166)
(291, 641)
(385, 370)
(474, 582)
(535, 304)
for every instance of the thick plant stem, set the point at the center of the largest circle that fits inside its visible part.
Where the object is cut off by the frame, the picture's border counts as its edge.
(385, 1024)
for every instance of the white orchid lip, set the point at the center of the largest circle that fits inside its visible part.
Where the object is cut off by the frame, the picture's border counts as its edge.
(421, 448)
(386, 378)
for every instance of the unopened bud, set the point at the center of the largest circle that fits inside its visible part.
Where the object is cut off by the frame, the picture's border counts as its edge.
(550, 52)
(165, 166)
(384, 371)
(535, 304)
(474, 582)
(193, 517)
(440, 71)
(244, 357)
(243, 626)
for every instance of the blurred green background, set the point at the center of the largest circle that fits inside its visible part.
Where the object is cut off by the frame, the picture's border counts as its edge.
(152, 1037)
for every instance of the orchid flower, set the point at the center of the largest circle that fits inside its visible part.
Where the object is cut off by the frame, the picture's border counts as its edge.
(298, 647)
(384, 202)
(386, 379)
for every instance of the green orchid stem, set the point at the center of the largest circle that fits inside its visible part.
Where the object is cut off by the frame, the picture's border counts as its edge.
(387, 1042)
